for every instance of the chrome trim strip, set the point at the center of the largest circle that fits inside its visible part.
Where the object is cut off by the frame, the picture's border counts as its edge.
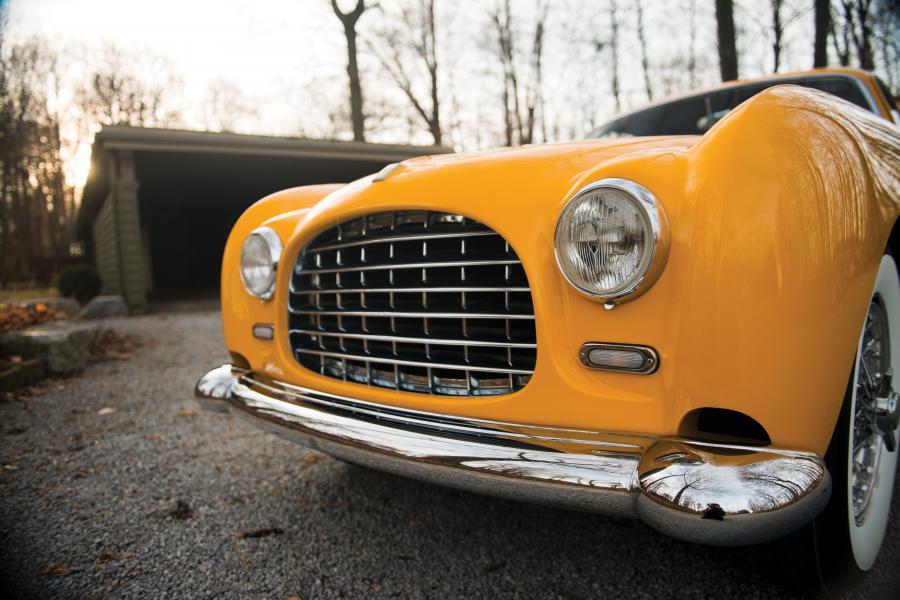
(411, 340)
(402, 238)
(399, 290)
(301, 392)
(425, 265)
(651, 358)
(701, 492)
(413, 363)
(385, 172)
(411, 315)
(438, 422)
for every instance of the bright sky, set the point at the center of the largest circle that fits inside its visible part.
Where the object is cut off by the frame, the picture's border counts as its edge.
(287, 57)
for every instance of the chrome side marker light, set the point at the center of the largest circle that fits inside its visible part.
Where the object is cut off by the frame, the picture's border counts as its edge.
(625, 358)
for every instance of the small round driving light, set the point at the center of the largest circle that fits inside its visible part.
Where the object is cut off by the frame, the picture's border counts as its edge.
(612, 240)
(259, 259)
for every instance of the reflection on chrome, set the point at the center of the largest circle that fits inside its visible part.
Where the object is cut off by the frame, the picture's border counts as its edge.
(703, 492)
(751, 481)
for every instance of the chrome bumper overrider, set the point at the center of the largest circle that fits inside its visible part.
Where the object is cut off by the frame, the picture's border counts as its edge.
(708, 493)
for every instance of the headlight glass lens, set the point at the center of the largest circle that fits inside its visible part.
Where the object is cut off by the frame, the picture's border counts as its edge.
(259, 257)
(604, 242)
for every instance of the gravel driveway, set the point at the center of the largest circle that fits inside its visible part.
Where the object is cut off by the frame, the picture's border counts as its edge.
(112, 486)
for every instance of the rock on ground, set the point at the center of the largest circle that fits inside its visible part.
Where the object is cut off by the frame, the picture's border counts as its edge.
(103, 307)
(65, 346)
(111, 485)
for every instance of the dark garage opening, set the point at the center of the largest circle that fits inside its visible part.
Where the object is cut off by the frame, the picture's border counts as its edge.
(187, 207)
(159, 204)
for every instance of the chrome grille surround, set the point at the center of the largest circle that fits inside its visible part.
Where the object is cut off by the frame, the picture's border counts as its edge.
(419, 301)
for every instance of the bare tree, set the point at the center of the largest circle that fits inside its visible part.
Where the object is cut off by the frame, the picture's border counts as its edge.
(519, 110)
(840, 35)
(854, 33)
(887, 40)
(782, 17)
(502, 19)
(349, 20)
(777, 32)
(645, 63)
(225, 106)
(33, 192)
(692, 44)
(414, 33)
(614, 53)
(534, 88)
(862, 34)
(822, 27)
(115, 95)
(728, 58)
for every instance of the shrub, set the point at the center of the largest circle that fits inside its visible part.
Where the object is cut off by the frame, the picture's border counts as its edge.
(81, 282)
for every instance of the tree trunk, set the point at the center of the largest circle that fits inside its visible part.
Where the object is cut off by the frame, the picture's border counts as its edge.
(348, 20)
(728, 58)
(614, 49)
(692, 46)
(841, 40)
(356, 105)
(823, 26)
(777, 33)
(863, 40)
(645, 63)
(432, 63)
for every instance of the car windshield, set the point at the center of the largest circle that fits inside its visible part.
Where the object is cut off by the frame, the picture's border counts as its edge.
(694, 115)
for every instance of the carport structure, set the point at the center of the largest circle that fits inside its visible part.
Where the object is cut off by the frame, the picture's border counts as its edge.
(159, 203)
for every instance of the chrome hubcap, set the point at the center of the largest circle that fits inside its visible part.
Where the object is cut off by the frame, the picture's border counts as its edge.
(875, 415)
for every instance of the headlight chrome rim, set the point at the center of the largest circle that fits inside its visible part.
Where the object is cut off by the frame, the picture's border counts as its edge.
(653, 215)
(275, 248)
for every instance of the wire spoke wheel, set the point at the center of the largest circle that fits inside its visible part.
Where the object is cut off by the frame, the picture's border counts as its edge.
(832, 554)
(867, 444)
(870, 458)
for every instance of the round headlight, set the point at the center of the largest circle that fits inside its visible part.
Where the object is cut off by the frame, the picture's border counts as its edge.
(259, 259)
(612, 240)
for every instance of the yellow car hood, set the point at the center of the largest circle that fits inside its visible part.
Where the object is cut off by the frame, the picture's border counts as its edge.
(575, 156)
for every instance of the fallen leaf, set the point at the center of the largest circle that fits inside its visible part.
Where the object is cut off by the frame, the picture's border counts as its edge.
(494, 566)
(258, 533)
(109, 556)
(186, 412)
(106, 410)
(182, 511)
(56, 570)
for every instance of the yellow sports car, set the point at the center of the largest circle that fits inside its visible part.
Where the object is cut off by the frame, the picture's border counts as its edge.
(691, 318)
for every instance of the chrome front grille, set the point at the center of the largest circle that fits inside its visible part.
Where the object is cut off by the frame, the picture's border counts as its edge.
(419, 301)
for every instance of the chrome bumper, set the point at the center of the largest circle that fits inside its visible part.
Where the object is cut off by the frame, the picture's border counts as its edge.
(700, 492)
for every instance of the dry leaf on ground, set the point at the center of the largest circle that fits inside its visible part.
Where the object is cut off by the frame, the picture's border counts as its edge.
(56, 570)
(258, 533)
(13, 318)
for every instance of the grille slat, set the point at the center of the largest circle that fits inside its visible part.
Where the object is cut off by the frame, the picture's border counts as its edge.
(399, 266)
(409, 363)
(411, 315)
(427, 341)
(417, 301)
(402, 238)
